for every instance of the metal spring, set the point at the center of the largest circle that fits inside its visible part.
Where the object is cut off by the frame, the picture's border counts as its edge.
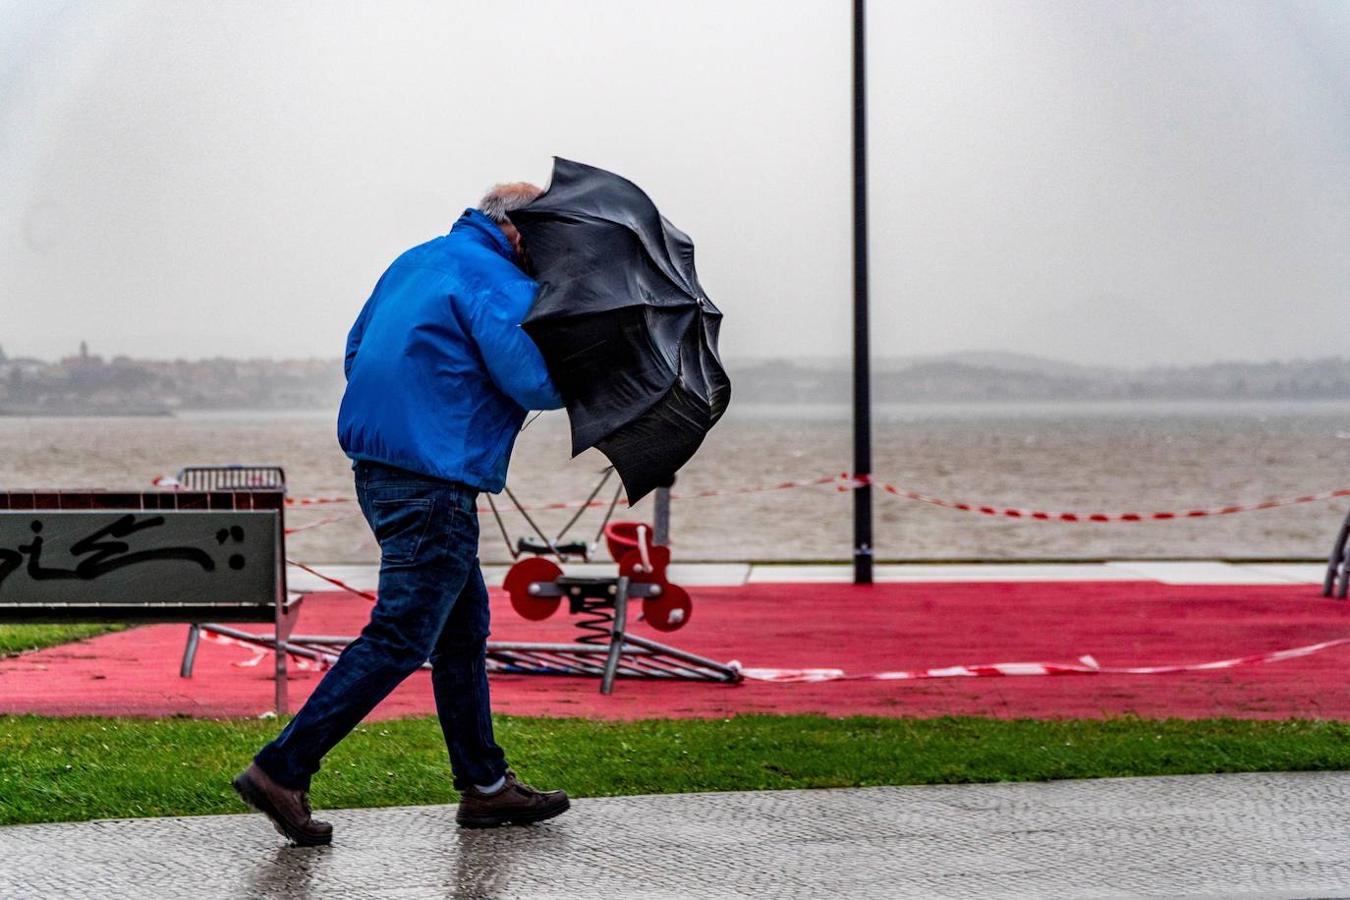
(596, 618)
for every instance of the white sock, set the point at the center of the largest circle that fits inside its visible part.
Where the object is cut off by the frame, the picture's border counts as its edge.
(491, 788)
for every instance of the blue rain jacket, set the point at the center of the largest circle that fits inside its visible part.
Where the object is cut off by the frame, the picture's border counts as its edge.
(439, 372)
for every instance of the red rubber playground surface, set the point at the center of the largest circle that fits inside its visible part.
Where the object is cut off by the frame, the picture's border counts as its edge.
(859, 629)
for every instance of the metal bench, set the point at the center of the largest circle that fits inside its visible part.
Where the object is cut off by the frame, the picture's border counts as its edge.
(235, 477)
(231, 478)
(147, 557)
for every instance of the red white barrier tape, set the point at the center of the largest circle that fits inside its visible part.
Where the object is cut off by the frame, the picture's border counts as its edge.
(336, 582)
(319, 524)
(843, 482)
(1085, 665)
(847, 482)
(1043, 516)
(259, 652)
(226, 641)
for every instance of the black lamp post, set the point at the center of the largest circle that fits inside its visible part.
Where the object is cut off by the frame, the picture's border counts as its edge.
(862, 387)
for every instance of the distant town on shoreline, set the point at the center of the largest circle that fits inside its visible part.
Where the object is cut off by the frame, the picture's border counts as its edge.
(88, 384)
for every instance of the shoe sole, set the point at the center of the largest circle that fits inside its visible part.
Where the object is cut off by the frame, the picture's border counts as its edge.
(522, 818)
(257, 801)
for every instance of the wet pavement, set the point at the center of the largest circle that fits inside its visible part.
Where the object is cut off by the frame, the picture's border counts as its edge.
(1195, 836)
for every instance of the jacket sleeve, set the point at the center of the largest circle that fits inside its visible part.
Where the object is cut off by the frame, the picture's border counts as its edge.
(514, 363)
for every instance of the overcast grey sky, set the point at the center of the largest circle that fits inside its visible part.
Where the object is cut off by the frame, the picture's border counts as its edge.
(1123, 182)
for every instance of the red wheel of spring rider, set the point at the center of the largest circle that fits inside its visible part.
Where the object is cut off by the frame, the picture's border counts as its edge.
(528, 571)
(671, 610)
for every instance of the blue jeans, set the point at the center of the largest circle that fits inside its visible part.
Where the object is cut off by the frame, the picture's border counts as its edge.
(432, 604)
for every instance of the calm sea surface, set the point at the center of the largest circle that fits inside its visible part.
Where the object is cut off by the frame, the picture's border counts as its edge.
(1062, 456)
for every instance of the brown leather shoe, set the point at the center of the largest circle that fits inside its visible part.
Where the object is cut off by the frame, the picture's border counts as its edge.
(288, 809)
(515, 804)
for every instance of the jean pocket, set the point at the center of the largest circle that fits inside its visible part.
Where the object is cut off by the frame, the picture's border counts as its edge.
(400, 526)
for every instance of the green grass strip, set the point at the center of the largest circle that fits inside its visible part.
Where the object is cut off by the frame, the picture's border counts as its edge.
(88, 768)
(21, 638)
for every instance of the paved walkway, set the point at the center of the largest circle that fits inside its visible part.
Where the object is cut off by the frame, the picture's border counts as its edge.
(1200, 836)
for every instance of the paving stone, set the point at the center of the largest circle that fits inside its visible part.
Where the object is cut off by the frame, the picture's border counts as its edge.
(1253, 836)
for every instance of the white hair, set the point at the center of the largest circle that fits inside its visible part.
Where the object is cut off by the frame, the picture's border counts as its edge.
(505, 198)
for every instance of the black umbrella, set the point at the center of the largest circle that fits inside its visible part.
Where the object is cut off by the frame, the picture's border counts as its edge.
(628, 334)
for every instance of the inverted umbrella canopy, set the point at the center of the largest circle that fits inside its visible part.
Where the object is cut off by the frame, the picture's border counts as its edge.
(628, 334)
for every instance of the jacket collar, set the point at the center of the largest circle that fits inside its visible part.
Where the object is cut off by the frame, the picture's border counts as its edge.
(482, 230)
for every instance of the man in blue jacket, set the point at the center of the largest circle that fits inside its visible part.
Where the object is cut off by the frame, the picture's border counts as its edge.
(439, 379)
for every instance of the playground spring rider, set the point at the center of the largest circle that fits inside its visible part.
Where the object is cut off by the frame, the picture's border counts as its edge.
(537, 586)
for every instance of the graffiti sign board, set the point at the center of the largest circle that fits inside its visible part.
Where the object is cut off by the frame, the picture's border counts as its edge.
(138, 560)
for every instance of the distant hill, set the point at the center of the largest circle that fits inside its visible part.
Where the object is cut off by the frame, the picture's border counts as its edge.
(994, 376)
(88, 385)
(1002, 361)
